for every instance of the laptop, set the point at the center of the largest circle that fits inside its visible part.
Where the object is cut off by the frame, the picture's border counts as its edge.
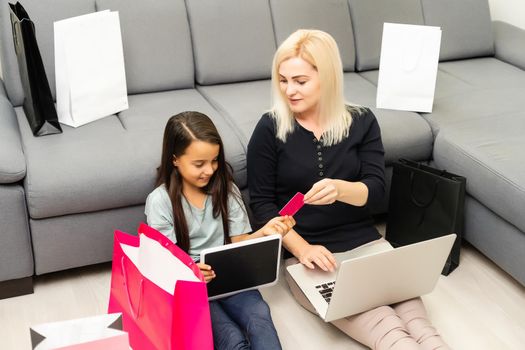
(244, 265)
(373, 276)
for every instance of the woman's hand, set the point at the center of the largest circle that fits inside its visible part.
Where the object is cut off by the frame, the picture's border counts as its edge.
(280, 225)
(318, 255)
(323, 192)
(206, 271)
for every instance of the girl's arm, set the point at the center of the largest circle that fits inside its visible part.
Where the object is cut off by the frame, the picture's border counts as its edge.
(278, 225)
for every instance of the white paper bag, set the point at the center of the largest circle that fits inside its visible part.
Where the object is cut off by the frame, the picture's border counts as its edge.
(89, 68)
(408, 67)
(91, 333)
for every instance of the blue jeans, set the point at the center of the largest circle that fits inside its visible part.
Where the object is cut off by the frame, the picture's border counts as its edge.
(243, 321)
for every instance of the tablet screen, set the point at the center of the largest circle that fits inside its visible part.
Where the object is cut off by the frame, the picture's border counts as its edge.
(241, 266)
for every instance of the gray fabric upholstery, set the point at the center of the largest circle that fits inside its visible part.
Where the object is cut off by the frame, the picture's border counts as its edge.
(495, 237)
(331, 16)
(404, 134)
(486, 151)
(16, 259)
(12, 161)
(43, 14)
(230, 47)
(478, 103)
(508, 43)
(242, 104)
(109, 163)
(466, 27)
(83, 239)
(485, 72)
(368, 17)
(157, 43)
(446, 83)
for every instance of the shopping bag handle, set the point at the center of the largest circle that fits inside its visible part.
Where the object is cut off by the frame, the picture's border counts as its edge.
(416, 202)
(134, 314)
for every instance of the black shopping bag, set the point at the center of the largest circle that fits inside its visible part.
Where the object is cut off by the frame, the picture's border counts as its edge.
(425, 203)
(38, 102)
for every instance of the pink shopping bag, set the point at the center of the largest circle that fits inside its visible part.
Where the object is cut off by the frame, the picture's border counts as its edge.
(160, 292)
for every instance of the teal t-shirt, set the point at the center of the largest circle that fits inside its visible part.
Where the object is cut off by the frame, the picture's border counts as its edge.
(205, 231)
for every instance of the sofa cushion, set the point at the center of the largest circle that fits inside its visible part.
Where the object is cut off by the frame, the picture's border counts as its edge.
(112, 162)
(486, 151)
(368, 17)
(472, 105)
(242, 104)
(446, 83)
(230, 47)
(43, 15)
(508, 43)
(331, 16)
(12, 161)
(404, 134)
(466, 27)
(486, 72)
(157, 44)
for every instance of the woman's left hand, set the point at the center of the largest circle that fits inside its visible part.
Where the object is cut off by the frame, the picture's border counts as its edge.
(322, 192)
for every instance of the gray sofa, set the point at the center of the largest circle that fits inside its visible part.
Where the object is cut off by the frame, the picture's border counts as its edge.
(62, 196)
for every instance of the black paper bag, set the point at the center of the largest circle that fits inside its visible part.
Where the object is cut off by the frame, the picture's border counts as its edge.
(425, 203)
(38, 102)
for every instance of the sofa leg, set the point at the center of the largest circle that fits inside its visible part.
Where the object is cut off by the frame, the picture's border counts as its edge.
(16, 287)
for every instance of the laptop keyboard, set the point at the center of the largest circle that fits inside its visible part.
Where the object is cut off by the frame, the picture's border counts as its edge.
(326, 289)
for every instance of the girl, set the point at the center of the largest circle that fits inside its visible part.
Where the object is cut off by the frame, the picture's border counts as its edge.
(197, 206)
(312, 142)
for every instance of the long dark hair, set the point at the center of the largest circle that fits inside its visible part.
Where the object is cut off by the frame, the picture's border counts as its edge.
(181, 130)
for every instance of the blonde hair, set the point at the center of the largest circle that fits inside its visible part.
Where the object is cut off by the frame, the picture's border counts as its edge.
(320, 50)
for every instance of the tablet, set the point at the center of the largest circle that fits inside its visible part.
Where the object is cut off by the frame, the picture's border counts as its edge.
(241, 266)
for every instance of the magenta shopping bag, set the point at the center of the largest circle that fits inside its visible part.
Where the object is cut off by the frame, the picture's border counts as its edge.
(160, 292)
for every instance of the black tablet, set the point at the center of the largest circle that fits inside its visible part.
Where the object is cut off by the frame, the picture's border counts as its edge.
(241, 266)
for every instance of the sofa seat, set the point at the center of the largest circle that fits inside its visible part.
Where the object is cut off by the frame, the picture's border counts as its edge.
(486, 151)
(109, 163)
(405, 134)
(485, 72)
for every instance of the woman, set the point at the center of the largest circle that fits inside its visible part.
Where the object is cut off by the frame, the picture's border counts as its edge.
(312, 142)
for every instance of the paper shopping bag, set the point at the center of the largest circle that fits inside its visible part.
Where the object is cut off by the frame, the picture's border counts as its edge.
(425, 203)
(39, 107)
(91, 333)
(408, 67)
(89, 68)
(161, 293)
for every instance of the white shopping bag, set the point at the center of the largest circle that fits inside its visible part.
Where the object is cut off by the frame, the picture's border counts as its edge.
(91, 333)
(89, 68)
(408, 67)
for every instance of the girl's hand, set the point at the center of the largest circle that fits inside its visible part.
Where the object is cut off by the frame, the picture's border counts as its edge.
(280, 225)
(207, 272)
(318, 255)
(323, 192)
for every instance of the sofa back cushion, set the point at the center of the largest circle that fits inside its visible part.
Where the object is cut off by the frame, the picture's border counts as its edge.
(43, 14)
(157, 43)
(466, 27)
(331, 16)
(368, 17)
(233, 40)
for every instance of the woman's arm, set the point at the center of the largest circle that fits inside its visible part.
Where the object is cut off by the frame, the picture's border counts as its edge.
(262, 171)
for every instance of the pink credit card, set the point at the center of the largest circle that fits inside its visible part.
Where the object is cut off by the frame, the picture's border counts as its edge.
(293, 205)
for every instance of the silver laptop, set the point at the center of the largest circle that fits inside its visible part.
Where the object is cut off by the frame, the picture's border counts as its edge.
(373, 276)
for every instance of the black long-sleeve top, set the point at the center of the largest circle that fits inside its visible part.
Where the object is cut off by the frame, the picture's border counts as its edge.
(277, 170)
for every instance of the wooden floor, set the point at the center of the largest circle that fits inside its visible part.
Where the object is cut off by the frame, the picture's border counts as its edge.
(477, 307)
